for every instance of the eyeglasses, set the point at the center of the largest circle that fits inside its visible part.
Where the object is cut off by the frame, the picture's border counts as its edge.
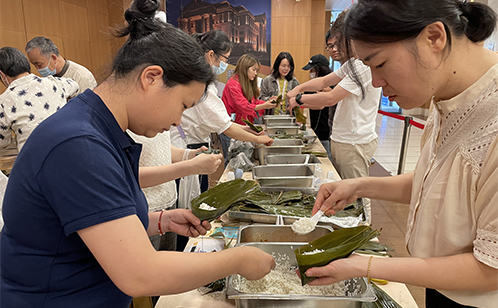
(331, 46)
(226, 58)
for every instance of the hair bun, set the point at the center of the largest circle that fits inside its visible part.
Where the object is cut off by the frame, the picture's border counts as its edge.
(141, 18)
(480, 20)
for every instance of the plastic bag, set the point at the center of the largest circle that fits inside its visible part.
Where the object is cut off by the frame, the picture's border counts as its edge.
(240, 162)
(237, 146)
(189, 189)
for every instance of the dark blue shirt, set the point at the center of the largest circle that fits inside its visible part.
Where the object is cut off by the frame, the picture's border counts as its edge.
(76, 170)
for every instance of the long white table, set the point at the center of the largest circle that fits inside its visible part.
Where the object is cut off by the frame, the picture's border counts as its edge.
(398, 291)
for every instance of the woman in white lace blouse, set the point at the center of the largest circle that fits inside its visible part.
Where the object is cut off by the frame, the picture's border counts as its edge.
(418, 51)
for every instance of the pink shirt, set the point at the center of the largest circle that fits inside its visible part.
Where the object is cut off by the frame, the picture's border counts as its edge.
(235, 102)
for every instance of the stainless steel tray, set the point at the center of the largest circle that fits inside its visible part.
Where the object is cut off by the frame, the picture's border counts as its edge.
(272, 120)
(291, 159)
(279, 146)
(268, 218)
(273, 233)
(283, 175)
(289, 129)
(350, 300)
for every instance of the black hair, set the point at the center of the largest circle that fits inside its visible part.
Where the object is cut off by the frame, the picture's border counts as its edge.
(46, 46)
(275, 72)
(153, 42)
(322, 70)
(336, 30)
(389, 21)
(215, 40)
(13, 62)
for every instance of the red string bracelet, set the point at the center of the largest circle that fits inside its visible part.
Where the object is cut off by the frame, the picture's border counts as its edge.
(160, 231)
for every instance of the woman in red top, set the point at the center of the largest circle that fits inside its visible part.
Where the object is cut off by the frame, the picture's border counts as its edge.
(241, 92)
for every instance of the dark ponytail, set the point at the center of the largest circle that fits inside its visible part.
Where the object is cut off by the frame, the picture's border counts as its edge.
(153, 42)
(480, 20)
(389, 21)
(215, 40)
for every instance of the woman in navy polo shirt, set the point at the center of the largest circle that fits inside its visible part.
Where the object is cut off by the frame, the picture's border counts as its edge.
(76, 221)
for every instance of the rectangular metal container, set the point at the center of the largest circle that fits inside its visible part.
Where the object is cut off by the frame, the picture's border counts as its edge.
(283, 175)
(291, 159)
(246, 300)
(277, 234)
(279, 146)
(272, 120)
(289, 129)
(268, 218)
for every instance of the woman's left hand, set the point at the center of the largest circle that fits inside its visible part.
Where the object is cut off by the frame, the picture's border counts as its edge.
(183, 222)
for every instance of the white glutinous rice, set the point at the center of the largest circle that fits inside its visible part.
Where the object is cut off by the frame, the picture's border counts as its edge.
(303, 225)
(206, 207)
(284, 280)
(313, 252)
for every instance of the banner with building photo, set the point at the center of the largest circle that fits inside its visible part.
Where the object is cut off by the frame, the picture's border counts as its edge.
(246, 22)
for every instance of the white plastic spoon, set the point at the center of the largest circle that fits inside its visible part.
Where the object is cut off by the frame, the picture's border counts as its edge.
(306, 225)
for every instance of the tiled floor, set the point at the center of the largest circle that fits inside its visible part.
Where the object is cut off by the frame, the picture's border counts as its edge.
(390, 133)
(390, 216)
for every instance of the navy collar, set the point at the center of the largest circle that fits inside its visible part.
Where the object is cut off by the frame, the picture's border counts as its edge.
(97, 104)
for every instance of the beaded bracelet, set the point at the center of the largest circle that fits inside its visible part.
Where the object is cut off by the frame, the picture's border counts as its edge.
(159, 230)
(368, 270)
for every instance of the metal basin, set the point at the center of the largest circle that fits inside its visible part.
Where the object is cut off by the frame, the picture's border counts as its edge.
(289, 129)
(279, 146)
(266, 233)
(291, 159)
(350, 300)
(272, 120)
(283, 175)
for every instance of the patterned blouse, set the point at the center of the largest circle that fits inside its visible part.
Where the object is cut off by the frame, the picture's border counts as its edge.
(454, 203)
(27, 102)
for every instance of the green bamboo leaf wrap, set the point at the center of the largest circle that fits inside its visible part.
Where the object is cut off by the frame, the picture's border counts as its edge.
(222, 197)
(335, 245)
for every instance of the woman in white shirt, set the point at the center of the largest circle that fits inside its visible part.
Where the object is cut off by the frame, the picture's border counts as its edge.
(417, 51)
(209, 115)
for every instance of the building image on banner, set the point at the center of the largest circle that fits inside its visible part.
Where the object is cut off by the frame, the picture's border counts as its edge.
(246, 22)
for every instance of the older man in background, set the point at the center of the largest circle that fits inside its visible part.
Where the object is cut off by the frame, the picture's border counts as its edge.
(28, 99)
(44, 55)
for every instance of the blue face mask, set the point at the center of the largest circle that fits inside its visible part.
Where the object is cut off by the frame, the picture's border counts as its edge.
(221, 69)
(45, 72)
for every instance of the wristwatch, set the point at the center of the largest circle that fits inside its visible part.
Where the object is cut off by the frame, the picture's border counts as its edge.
(298, 99)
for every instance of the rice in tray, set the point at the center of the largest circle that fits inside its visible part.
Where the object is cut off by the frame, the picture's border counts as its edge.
(284, 280)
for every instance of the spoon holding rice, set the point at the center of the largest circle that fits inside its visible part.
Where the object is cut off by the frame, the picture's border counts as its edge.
(305, 225)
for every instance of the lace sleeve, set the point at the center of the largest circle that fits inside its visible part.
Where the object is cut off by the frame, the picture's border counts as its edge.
(486, 209)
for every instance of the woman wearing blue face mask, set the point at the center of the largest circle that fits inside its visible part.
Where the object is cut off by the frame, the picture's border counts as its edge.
(209, 115)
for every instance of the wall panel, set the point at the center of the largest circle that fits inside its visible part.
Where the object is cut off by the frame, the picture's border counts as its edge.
(78, 51)
(42, 17)
(11, 15)
(290, 8)
(98, 26)
(102, 57)
(75, 21)
(99, 6)
(81, 3)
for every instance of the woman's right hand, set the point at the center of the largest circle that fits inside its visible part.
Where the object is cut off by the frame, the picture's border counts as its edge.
(207, 163)
(264, 139)
(335, 196)
(268, 104)
(254, 263)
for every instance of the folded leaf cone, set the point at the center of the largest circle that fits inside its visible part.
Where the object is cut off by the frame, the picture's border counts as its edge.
(255, 128)
(335, 245)
(220, 198)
